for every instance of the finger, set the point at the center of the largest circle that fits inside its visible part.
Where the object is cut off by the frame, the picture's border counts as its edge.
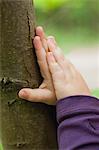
(37, 43)
(40, 52)
(55, 49)
(41, 57)
(55, 69)
(35, 95)
(57, 73)
(56, 52)
(52, 39)
(60, 58)
(41, 34)
(71, 67)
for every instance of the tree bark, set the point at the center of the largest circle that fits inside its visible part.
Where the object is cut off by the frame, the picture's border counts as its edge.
(24, 125)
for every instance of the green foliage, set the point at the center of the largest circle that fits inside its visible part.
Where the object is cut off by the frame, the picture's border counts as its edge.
(1, 147)
(95, 92)
(76, 4)
(72, 12)
(47, 5)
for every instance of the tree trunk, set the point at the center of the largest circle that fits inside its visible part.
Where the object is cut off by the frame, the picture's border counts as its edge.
(24, 125)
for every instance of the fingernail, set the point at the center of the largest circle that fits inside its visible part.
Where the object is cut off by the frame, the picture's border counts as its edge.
(51, 44)
(51, 40)
(22, 94)
(40, 27)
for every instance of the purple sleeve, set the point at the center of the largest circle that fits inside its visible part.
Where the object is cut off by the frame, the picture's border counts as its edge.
(78, 119)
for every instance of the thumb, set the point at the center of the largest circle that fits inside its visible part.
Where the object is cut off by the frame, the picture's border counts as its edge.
(35, 95)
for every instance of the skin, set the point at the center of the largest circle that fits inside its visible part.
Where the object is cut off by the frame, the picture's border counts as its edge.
(61, 79)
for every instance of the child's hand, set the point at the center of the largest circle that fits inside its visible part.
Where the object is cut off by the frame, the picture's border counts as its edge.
(61, 79)
(66, 79)
(45, 93)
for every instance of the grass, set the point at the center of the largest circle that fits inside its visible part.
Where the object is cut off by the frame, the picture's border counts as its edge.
(1, 147)
(95, 92)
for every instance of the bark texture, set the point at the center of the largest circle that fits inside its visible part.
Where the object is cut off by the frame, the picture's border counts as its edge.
(24, 125)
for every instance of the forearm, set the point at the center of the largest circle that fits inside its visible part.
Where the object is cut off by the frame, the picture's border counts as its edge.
(78, 118)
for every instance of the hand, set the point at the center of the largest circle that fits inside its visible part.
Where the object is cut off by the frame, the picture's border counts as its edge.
(45, 93)
(61, 79)
(66, 79)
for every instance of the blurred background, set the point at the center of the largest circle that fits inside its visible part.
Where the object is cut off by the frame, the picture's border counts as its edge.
(75, 25)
